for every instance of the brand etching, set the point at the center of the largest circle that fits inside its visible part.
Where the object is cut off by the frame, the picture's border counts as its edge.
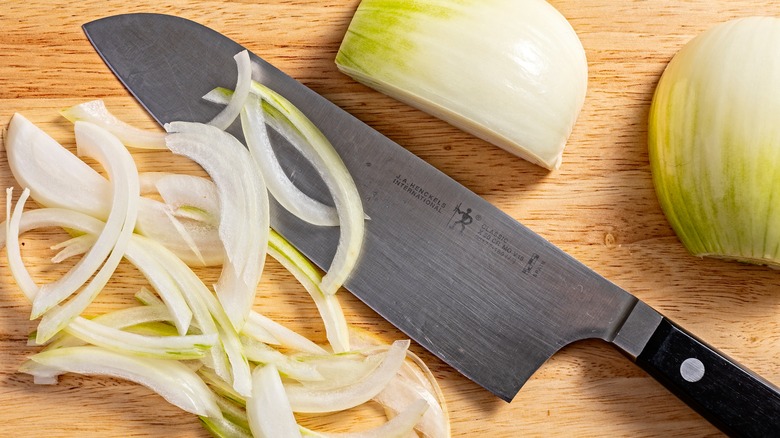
(500, 244)
(460, 218)
(428, 198)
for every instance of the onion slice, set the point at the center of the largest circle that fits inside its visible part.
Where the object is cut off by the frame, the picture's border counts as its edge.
(107, 149)
(94, 141)
(232, 378)
(402, 425)
(162, 347)
(283, 335)
(304, 271)
(19, 271)
(309, 400)
(55, 176)
(210, 317)
(319, 151)
(95, 111)
(268, 410)
(244, 211)
(171, 293)
(281, 187)
(228, 114)
(261, 353)
(173, 380)
(299, 131)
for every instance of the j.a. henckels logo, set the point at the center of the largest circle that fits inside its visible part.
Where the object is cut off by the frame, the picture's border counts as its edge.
(461, 218)
(416, 190)
(466, 221)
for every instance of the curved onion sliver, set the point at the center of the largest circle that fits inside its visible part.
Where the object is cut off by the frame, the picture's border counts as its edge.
(95, 111)
(173, 380)
(94, 141)
(244, 211)
(309, 400)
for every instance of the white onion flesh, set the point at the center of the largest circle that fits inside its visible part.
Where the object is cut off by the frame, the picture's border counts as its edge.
(98, 143)
(261, 353)
(184, 320)
(268, 409)
(512, 72)
(243, 81)
(244, 210)
(96, 112)
(319, 151)
(328, 305)
(161, 347)
(281, 334)
(298, 130)
(55, 176)
(171, 379)
(401, 426)
(280, 186)
(210, 317)
(19, 271)
(307, 400)
(120, 221)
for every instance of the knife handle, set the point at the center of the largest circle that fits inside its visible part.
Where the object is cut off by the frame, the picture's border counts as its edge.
(730, 396)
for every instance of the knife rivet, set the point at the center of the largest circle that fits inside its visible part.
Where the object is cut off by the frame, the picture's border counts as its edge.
(692, 370)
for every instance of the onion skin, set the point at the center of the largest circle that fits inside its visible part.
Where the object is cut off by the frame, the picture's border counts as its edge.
(714, 142)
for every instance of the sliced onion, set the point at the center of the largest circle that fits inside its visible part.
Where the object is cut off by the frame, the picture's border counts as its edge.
(261, 353)
(244, 212)
(73, 247)
(158, 222)
(283, 335)
(304, 271)
(243, 82)
(94, 141)
(281, 187)
(192, 193)
(162, 347)
(107, 149)
(158, 276)
(233, 211)
(401, 425)
(155, 222)
(58, 178)
(308, 400)
(95, 111)
(414, 381)
(173, 380)
(20, 273)
(269, 411)
(120, 319)
(318, 150)
(170, 292)
(222, 427)
(298, 130)
(209, 316)
(342, 369)
(55, 176)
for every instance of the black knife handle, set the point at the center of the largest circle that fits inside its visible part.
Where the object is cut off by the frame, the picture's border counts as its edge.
(730, 396)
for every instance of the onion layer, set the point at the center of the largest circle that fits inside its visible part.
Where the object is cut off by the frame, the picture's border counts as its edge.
(714, 141)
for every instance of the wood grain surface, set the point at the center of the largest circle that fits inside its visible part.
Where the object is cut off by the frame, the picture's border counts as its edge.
(600, 207)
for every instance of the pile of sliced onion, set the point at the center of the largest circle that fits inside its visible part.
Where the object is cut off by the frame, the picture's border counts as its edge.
(203, 347)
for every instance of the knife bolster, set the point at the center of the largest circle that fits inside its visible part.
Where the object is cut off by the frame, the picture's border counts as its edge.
(637, 329)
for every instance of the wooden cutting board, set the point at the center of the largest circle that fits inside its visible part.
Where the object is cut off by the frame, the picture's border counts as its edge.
(600, 207)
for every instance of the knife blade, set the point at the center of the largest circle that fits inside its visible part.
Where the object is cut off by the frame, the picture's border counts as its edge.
(466, 281)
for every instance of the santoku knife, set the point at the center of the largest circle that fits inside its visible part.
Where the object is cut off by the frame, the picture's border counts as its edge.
(466, 281)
